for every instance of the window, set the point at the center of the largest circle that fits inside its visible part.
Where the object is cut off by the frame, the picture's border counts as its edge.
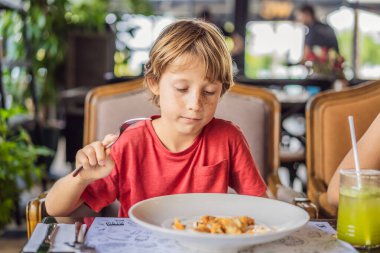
(135, 35)
(368, 53)
(270, 45)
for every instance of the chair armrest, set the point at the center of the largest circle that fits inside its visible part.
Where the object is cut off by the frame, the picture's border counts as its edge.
(316, 187)
(273, 183)
(281, 192)
(35, 212)
(289, 195)
(299, 199)
(308, 206)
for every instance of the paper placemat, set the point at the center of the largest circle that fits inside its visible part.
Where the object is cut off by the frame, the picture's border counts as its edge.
(115, 235)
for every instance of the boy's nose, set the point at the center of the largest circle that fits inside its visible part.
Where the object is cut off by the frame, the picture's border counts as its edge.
(194, 102)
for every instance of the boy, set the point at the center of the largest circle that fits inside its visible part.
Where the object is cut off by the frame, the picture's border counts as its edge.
(183, 150)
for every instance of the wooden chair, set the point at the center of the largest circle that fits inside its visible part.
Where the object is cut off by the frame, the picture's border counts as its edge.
(255, 110)
(108, 106)
(328, 137)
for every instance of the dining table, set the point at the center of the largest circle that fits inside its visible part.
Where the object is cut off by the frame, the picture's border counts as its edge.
(319, 222)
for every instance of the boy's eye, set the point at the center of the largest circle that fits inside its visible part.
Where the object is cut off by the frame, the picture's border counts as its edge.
(208, 93)
(182, 90)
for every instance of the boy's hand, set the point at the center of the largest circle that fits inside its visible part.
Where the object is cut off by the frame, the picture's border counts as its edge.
(95, 159)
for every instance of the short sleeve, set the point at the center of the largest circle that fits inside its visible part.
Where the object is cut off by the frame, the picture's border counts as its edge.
(309, 38)
(244, 175)
(102, 192)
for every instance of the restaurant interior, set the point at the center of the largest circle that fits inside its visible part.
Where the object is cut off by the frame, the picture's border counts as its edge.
(72, 71)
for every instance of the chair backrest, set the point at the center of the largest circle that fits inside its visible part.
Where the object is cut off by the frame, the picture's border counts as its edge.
(108, 106)
(255, 110)
(327, 132)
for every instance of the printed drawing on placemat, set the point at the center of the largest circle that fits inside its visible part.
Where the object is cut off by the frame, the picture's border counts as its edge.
(314, 237)
(114, 235)
(118, 235)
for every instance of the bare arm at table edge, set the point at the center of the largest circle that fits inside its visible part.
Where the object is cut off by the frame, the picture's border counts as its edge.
(369, 157)
(65, 195)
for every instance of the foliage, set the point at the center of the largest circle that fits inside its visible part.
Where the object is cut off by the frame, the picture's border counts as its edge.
(86, 15)
(256, 64)
(18, 158)
(14, 79)
(345, 46)
(370, 50)
(46, 35)
(48, 24)
(142, 7)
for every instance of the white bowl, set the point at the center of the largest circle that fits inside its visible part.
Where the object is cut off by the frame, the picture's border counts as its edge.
(156, 213)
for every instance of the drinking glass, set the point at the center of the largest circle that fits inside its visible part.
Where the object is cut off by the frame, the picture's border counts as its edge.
(359, 208)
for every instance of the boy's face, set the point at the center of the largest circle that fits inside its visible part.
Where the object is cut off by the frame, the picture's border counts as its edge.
(187, 99)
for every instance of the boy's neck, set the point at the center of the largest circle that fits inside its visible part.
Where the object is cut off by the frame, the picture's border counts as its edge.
(171, 139)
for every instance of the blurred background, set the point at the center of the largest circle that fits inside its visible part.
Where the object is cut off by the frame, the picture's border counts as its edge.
(54, 51)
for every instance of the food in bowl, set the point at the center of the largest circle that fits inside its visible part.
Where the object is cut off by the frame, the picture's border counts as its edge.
(222, 225)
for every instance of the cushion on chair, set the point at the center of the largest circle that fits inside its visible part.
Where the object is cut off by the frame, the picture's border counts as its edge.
(114, 110)
(250, 114)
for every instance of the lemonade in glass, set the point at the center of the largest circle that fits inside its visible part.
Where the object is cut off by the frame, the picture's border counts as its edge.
(359, 208)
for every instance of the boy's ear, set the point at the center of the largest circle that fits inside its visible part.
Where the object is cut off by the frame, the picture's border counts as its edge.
(153, 85)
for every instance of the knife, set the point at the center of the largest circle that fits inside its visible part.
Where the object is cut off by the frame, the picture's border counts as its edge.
(49, 238)
(78, 225)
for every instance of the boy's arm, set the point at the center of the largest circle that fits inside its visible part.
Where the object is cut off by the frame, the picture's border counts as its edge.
(65, 196)
(369, 157)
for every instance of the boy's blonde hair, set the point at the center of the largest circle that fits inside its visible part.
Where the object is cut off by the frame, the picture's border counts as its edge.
(194, 37)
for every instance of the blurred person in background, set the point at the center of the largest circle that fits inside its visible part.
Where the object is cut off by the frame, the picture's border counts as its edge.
(318, 34)
(321, 51)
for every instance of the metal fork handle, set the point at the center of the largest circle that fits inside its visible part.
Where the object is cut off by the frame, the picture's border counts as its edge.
(78, 170)
(132, 121)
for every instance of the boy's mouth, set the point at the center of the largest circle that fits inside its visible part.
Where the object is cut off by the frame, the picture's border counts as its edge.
(191, 119)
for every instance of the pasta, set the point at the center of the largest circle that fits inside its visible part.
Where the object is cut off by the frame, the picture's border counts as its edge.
(220, 225)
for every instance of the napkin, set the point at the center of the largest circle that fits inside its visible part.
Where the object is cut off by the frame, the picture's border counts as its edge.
(65, 233)
(37, 237)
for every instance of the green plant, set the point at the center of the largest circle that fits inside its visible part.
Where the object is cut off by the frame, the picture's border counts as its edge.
(47, 24)
(18, 158)
(369, 48)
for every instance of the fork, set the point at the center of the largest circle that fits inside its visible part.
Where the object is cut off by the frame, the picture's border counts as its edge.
(47, 243)
(123, 126)
(80, 233)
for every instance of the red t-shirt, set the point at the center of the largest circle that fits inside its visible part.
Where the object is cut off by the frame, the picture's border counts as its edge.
(144, 168)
